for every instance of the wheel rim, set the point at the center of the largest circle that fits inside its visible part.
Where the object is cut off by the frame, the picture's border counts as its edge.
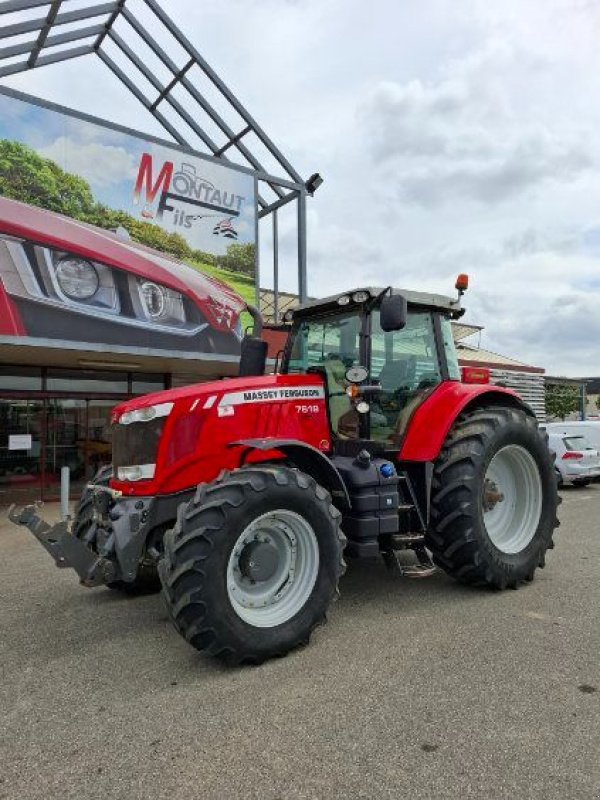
(512, 499)
(272, 568)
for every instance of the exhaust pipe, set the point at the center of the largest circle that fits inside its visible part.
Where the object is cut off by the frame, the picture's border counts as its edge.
(256, 319)
(253, 356)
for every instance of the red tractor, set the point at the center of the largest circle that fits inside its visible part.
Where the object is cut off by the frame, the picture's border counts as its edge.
(244, 496)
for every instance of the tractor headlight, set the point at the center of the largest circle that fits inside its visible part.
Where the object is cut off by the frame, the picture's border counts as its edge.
(146, 414)
(77, 278)
(136, 472)
(161, 304)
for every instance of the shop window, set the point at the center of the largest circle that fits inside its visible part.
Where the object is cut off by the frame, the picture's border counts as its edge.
(146, 382)
(21, 379)
(86, 381)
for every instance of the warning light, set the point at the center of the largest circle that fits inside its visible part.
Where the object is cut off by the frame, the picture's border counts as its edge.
(462, 283)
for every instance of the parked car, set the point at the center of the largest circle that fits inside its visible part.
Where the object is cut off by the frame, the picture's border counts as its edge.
(588, 428)
(577, 462)
(67, 280)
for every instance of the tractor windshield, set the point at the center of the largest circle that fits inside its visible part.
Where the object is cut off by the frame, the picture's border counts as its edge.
(330, 342)
(406, 365)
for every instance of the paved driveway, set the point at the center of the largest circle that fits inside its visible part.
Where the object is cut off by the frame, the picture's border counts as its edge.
(413, 690)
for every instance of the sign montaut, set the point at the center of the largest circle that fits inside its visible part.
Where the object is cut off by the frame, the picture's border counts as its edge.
(183, 186)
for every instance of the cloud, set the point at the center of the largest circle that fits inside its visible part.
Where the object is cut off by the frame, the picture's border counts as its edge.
(452, 137)
(101, 165)
(440, 142)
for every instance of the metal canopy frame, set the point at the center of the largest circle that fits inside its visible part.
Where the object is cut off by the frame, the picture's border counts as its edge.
(68, 29)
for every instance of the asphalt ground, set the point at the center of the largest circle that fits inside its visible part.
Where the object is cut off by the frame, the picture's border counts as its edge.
(415, 689)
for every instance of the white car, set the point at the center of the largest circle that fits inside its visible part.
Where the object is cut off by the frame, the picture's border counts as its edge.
(589, 428)
(577, 462)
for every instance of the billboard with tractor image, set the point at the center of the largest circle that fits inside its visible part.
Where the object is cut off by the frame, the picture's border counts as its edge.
(112, 237)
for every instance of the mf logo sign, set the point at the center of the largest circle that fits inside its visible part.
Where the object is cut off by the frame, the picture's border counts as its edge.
(185, 194)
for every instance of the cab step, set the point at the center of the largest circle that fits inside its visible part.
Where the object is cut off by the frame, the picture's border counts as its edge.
(423, 569)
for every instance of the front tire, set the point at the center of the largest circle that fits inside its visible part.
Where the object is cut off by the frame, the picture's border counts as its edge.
(494, 499)
(253, 563)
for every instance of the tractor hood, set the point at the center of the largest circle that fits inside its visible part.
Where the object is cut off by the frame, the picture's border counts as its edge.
(173, 440)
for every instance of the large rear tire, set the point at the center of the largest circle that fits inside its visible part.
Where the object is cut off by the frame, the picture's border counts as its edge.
(253, 563)
(494, 499)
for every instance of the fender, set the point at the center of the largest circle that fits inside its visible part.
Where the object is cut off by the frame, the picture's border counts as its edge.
(306, 458)
(431, 422)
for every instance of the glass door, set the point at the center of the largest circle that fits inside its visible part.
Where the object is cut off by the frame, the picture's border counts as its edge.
(66, 438)
(21, 443)
(98, 442)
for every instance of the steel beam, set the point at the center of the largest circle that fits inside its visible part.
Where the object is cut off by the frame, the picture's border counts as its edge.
(223, 88)
(10, 6)
(202, 102)
(51, 58)
(51, 41)
(275, 267)
(64, 18)
(142, 98)
(173, 82)
(233, 141)
(283, 201)
(109, 23)
(43, 34)
(153, 80)
(302, 288)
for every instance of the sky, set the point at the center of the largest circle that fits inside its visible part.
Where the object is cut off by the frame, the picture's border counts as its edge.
(452, 137)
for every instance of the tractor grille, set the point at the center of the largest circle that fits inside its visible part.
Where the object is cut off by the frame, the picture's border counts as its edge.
(136, 443)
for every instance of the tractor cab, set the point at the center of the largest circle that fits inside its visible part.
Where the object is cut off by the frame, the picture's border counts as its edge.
(381, 352)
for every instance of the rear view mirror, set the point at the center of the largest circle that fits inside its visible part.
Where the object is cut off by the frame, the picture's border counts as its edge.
(392, 313)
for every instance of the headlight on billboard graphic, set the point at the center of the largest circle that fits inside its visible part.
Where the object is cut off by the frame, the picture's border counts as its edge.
(160, 303)
(77, 278)
(43, 279)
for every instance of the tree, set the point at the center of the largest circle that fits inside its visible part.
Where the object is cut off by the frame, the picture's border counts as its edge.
(26, 176)
(239, 258)
(561, 400)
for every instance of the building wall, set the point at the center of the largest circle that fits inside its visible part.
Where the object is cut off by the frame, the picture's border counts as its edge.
(529, 386)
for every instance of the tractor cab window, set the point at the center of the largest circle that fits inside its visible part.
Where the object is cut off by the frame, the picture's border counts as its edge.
(406, 365)
(330, 343)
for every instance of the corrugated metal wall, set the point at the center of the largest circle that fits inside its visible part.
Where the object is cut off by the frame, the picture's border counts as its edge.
(529, 385)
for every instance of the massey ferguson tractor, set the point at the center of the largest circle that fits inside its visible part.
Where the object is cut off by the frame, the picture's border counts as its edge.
(244, 497)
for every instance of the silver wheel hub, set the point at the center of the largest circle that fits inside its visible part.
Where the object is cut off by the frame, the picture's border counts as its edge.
(512, 499)
(273, 568)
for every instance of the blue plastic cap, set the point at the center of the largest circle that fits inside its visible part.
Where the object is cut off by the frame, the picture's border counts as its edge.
(387, 470)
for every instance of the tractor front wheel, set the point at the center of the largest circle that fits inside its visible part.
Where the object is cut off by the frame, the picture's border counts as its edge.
(494, 499)
(253, 563)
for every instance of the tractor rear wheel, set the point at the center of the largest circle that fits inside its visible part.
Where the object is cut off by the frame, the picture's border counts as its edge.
(253, 563)
(493, 500)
